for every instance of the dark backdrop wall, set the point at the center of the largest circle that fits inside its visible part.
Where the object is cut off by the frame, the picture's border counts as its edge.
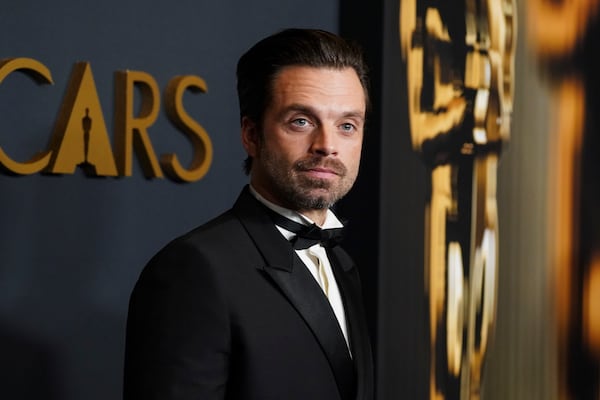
(71, 247)
(386, 208)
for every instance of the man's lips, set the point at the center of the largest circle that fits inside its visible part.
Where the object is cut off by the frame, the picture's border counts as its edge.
(324, 170)
(321, 172)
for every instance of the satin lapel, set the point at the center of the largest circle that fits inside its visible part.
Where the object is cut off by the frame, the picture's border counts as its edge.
(307, 297)
(295, 281)
(349, 284)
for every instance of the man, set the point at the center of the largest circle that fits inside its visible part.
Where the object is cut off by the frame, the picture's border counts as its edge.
(247, 306)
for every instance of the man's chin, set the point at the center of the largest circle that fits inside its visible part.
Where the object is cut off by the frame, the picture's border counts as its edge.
(314, 195)
(317, 199)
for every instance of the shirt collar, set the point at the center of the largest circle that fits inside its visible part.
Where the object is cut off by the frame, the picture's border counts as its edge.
(331, 221)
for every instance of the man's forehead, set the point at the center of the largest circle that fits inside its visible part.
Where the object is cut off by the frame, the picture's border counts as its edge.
(299, 86)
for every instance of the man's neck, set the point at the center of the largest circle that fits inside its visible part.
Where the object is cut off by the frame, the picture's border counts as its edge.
(318, 216)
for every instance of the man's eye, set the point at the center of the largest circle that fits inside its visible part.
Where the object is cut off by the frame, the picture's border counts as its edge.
(301, 122)
(347, 127)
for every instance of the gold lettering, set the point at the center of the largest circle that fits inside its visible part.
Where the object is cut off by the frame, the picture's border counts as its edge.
(200, 140)
(132, 133)
(38, 72)
(80, 137)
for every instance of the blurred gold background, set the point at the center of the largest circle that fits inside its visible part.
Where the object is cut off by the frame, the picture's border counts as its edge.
(541, 126)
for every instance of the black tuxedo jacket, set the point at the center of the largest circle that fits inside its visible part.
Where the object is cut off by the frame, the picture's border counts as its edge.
(229, 311)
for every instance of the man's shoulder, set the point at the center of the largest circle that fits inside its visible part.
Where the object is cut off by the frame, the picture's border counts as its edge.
(202, 249)
(232, 236)
(225, 222)
(219, 230)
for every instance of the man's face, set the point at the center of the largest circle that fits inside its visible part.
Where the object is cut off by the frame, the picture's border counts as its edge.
(306, 156)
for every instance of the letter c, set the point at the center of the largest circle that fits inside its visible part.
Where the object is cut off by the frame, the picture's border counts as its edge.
(38, 72)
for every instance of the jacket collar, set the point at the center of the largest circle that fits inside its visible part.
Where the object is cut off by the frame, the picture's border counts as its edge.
(286, 271)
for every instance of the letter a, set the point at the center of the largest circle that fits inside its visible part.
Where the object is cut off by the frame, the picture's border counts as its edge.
(80, 137)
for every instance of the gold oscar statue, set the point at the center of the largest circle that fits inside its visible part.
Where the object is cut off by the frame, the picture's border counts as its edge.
(460, 67)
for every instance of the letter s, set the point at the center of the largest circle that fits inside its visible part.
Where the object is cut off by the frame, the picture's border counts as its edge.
(179, 117)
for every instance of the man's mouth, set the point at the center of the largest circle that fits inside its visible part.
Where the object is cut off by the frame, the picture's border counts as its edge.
(321, 172)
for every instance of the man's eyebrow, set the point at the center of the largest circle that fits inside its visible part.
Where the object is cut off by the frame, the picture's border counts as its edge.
(354, 114)
(296, 107)
(301, 108)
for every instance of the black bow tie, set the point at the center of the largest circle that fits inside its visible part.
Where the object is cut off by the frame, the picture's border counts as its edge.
(307, 235)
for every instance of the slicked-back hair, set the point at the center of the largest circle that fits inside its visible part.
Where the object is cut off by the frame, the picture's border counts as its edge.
(260, 65)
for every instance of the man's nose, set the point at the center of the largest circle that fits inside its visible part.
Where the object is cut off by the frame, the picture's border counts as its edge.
(324, 141)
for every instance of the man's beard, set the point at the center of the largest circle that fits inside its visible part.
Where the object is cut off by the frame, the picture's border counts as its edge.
(297, 190)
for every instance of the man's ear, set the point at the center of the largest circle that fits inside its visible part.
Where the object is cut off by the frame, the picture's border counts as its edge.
(250, 136)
